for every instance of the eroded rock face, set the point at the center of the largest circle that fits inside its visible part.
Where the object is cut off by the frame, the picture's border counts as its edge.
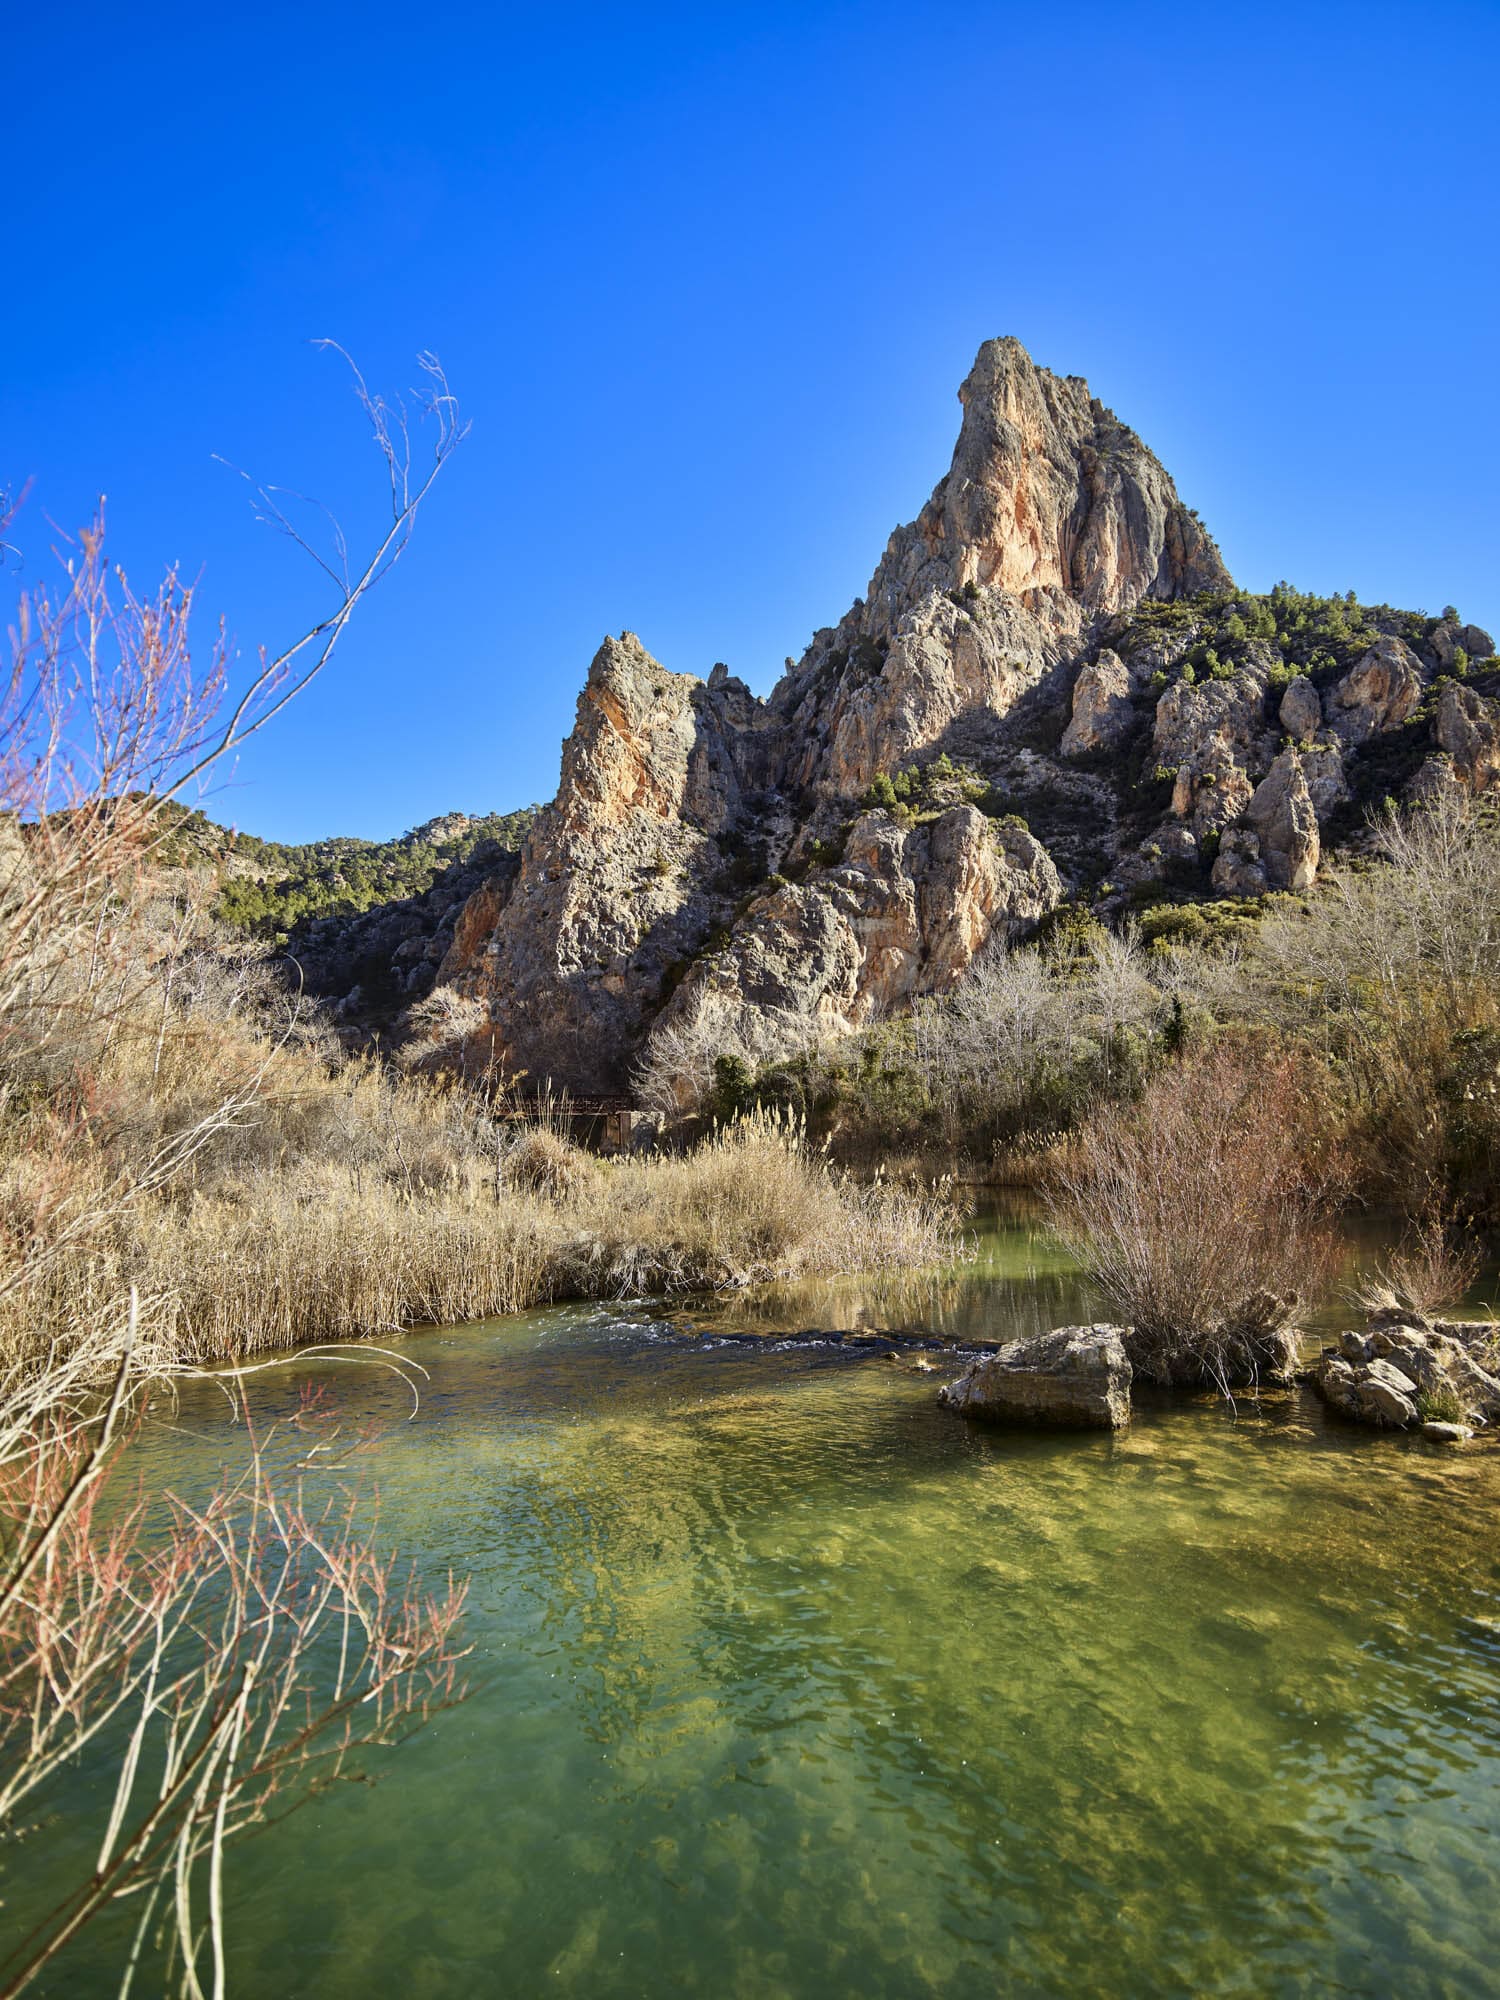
(1237, 869)
(1301, 712)
(1214, 735)
(1378, 693)
(1468, 728)
(1052, 516)
(1076, 1377)
(615, 880)
(1322, 769)
(1103, 706)
(1282, 815)
(859, 705)
(1051, 500)
(903, 914)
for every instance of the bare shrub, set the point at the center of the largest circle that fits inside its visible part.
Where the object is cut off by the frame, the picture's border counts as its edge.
(446, 1032)
(1201, 1214)
(1000, 1044)
(1435, 1267)
(1022, 1043)
(676, 1074)
(104, 718)
(1392, 971)
(246, 1653)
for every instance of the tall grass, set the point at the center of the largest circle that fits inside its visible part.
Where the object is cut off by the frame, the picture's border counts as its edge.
(356, 1203)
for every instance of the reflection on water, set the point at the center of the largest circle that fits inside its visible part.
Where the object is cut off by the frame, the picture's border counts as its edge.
(794, 1685)
(1014, 1277)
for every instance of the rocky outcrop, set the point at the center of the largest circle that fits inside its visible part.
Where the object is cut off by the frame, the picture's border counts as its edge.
(1467, 727)
(1050, 500)
(1075, 1377)
(1380, 692)
(678, 797)
(1322, 767)
(1450, 638)
(1056, 625)
(1103, 707)
(1237, 869)
(625, 874)
(901, 915)
(1399, 1373)
(1281, 812)
(1301, 712)
(1215, 737)
(1053, 516)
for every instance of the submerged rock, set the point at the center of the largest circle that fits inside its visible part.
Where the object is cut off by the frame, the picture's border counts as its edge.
(1077, 1377)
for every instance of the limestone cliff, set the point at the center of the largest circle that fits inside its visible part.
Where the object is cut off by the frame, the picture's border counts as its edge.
(626, 873)
(1051, 686)
(1052, 517)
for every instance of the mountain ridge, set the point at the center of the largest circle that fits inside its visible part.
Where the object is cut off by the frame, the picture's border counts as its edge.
(1031, 641)
(1051, 691)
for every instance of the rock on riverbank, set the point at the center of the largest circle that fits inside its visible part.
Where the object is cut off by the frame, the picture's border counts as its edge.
(1404, 1372)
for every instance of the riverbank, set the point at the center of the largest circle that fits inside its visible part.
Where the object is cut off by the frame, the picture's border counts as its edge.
(322, 1249)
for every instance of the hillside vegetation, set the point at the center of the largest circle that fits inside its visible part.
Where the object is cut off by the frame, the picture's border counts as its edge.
(272, 887)
(1381, 986)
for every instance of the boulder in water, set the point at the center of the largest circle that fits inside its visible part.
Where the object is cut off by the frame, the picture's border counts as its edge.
(1400, 1372)
(1077, 1377)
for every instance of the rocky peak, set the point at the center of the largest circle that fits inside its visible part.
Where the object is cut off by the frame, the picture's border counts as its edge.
(1052, 518)
(1050, 499)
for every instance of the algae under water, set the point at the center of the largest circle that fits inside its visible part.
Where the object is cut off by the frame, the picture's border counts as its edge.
(788, 1683)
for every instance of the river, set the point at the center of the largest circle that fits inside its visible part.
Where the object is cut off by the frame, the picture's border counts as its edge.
(790, 1684)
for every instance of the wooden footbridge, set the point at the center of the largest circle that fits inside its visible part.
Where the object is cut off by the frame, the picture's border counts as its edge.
(604, 1124)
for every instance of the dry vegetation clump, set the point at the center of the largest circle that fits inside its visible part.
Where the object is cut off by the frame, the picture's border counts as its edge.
(447, 1033)
(1203, 1215)
(1433, 1269)
(753, 1202)
(543, 1162)
(315, 1198)
(263, 1265)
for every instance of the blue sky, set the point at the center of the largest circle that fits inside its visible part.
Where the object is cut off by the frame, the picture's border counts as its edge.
(706, 280)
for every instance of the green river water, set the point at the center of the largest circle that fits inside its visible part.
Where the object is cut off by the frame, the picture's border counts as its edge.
(789, 1684)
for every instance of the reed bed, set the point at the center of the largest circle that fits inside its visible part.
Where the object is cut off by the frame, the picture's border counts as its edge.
(407, 1233)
